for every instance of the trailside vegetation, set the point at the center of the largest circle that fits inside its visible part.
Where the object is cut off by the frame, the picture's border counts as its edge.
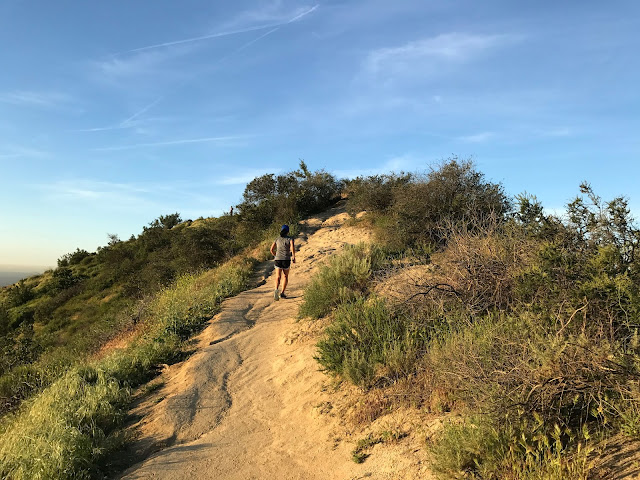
(523, 323)
(64, 391)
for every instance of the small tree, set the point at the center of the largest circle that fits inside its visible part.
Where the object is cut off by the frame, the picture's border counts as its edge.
(63, 278)
(453, 194)
(19, 294)
(75, 257)
(598, 223)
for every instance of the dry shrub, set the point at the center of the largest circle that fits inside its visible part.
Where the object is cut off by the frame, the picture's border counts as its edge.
(477, 270)
(512, 366)
(370, 406)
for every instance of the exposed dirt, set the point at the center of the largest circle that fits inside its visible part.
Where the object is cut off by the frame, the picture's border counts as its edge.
(250, 403)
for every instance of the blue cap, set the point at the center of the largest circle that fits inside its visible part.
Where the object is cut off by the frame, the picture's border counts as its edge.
(284, 228)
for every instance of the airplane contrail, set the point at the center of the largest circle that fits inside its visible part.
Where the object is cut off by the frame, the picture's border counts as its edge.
(303, 14)
(140, 112)
(246, 45)
(274, 28)
(170, 142)
(197, 39)
(219, 34)
(220, 60)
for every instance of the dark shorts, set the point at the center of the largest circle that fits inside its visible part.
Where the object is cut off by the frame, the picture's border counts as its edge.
(284, 264)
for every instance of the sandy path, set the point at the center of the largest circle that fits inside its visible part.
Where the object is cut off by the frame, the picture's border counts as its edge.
(247, 404)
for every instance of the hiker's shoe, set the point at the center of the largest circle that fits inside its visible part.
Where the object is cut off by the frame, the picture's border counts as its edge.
(282, 295)
(276, 294)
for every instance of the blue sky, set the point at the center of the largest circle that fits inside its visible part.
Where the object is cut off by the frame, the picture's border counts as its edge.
(113, 113)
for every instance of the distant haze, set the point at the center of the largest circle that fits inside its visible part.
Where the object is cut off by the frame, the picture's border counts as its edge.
(10, 274)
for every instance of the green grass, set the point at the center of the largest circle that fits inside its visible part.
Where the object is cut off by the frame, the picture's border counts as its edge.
(65, 431)
(343, 279)
(69, 430)
(476, 448)
(359, 453)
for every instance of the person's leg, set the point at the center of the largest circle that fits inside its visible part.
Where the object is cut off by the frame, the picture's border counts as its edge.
(286, 279)
(276, 292)
(278, 275)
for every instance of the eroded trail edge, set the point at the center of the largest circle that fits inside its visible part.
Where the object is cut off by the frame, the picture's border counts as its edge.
(250, 403)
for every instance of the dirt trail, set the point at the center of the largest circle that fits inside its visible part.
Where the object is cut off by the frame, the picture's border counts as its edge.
(249, 403)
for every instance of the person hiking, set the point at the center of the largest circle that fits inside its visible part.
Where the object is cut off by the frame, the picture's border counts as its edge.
(284, 251)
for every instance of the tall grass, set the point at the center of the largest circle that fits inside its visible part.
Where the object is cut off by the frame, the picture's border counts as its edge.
(65, 431)
(343, 279)
(476, 448)
(366, 343)
(71, 427)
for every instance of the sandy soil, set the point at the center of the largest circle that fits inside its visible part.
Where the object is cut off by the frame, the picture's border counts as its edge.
(251, 403)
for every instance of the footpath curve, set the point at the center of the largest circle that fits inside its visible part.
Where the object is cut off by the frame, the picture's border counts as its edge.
(248, 404)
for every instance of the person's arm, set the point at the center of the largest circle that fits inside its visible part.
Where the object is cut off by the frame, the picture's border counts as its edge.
(293, 251)
(273, 249)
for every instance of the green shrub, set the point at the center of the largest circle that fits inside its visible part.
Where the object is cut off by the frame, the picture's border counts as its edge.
(283, 198)
(453, 194)
(365, 343)
(374, 193)
(19, 294)
(343, 279)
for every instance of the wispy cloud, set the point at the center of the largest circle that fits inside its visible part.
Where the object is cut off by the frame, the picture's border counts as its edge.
(477, 137)
(16, 151)
(395, 164)
(92, 190)
(244, 176)
(228, 140)
(35, 99)
(425, 55)
(272, 14)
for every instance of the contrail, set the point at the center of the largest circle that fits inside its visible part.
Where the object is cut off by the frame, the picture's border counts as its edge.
(220, 60)
(274, 28)
(102, 129)
(197, 39)
(124, 123)
(246, 45)
(219, 34)
(170, 142)
(140, 112)
(298, 17)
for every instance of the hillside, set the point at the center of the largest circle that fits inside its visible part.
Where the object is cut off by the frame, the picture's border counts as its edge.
(437, 326)
(59, 367)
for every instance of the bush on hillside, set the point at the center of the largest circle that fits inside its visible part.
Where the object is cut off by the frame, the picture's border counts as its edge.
(528, 318)
(410, 210)
(375, 193)
(451, 195)
(284, 198)
(343, 279)
(19, 294)
(367, 343)
(73, 258)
